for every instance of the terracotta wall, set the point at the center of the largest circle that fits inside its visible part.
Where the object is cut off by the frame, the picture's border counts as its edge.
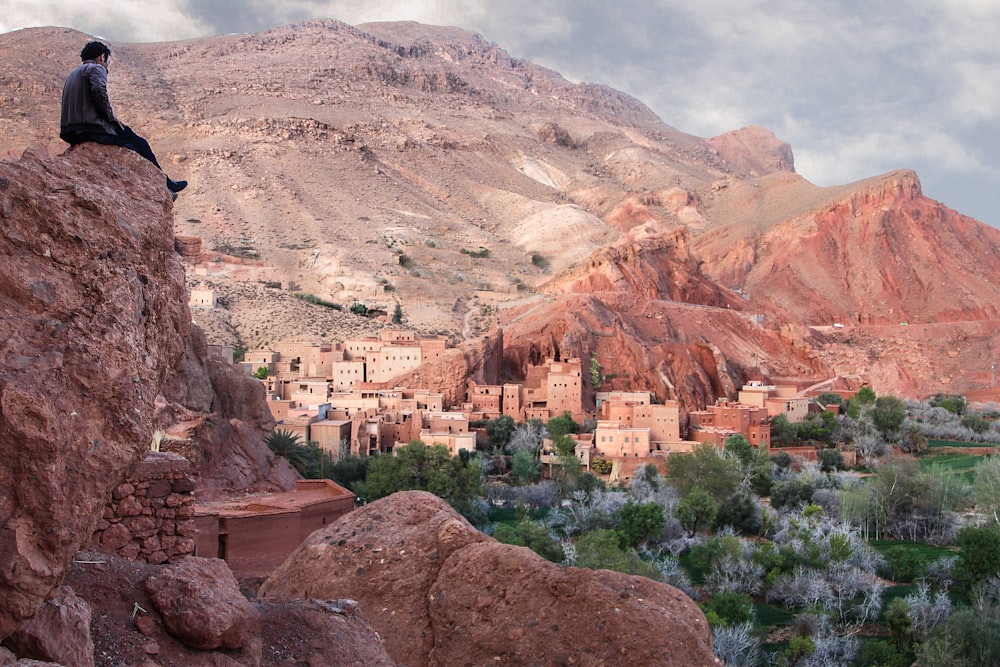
(150, 516)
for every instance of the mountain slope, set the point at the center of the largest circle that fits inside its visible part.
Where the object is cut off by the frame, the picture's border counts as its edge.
(411, 164)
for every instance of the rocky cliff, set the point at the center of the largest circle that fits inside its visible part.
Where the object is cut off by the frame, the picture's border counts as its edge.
(94, 318)
(442, 593)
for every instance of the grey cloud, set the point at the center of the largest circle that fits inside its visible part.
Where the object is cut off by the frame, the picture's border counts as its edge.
(857, 87)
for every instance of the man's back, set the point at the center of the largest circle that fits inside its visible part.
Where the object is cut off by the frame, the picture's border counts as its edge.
(86, 107)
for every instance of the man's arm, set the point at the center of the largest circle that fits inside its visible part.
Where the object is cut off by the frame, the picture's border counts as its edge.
(98, 79)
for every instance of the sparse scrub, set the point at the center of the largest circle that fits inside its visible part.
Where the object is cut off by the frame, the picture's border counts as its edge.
(315, 300)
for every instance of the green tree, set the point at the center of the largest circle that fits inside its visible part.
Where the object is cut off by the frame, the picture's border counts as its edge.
(740, 512)
(987, 489)
(830, 460)
(864, 398)
(738, 446)
(979, 555)
(697, 510)
(791, 493)
(261, 373)
(397, 312)
(783, 434)
(729, 608)
(798, 649)
(912, 439)
(888, 414)
(531, 534)
(500, 431)
(953, 403)
(595, 372)
(601, 550)
(897, 618)
(640, 522)
(704, 467)
(418, 467)
(562, 425)
(977, 423)
(349, 471)
(525, 468)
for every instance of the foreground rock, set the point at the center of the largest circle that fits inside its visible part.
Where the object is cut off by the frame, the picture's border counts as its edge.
(442, 593)
(128, 628)
(93, 317)
(58, 633)
(201, 604)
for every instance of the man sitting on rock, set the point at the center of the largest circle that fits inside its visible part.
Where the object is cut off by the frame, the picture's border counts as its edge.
(87, 114)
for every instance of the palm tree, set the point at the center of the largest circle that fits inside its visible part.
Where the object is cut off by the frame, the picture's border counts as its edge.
(289, 445)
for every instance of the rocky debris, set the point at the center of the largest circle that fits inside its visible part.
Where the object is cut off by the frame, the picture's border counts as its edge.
(128, 629)
(59, 632)
(201, 604)
(94, 315)
(442, 593)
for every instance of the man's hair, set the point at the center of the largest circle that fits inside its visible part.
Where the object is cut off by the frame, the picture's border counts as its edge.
(94, 50)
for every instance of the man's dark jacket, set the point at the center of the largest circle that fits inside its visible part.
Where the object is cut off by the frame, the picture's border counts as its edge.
(86, 108)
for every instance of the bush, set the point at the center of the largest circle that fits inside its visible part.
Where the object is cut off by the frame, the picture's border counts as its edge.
(533, 535)
(791, 493)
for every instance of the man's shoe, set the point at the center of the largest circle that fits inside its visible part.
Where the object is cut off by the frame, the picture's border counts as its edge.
(176, 186)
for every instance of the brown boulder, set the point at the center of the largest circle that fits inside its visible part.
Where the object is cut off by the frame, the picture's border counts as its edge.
(93, 317)
(59, 632)
(201, 604)
(442, 593)
(386, 556)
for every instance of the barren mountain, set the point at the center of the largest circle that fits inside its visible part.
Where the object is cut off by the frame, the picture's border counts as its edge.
(411, 164)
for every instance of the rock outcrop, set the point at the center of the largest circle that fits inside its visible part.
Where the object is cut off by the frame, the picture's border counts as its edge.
(442, 593)
(93, 318)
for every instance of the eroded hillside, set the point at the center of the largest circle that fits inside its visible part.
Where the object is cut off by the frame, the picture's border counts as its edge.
(403, 163)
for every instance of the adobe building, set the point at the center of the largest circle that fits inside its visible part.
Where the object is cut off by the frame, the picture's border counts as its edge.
(635, 410)
(548, 391)
(717, 422)
(202, 298)
(778, 399)
(256, 534)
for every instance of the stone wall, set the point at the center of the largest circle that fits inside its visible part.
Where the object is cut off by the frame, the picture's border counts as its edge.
(150, 516)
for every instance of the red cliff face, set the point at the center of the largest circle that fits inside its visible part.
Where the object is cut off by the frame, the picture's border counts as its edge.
(94, 317)
(880, 253)
(652, 320)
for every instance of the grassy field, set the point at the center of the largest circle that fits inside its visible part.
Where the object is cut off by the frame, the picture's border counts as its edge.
(941, 444)
(957, 464)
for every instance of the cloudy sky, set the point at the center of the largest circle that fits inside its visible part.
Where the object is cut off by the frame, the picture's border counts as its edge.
(858, 87)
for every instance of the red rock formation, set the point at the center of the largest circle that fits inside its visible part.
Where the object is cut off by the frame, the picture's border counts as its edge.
(442, 593)
(479, 360)
(201, 604)
(755, 150)
(94, 317)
